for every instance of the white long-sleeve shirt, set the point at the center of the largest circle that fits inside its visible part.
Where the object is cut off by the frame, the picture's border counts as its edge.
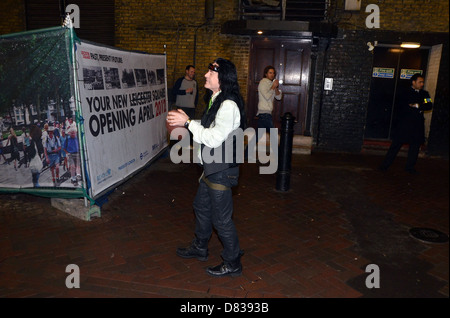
(266, 96)
(228, 119)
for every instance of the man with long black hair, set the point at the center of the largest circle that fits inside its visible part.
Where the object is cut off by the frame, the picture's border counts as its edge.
(411, 129)
(213, 203)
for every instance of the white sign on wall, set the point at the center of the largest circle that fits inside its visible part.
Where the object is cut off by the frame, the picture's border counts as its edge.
(383, 72)
(408, 73)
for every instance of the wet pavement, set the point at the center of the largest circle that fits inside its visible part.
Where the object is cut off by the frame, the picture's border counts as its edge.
(315, 240)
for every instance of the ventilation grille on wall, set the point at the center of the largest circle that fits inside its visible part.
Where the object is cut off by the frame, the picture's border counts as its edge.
(306, 10)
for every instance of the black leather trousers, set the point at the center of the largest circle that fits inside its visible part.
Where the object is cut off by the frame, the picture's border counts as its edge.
(215, 208)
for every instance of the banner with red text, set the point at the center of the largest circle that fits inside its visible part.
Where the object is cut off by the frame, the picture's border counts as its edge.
(123, 97)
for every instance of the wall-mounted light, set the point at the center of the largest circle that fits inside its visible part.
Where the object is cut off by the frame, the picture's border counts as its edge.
(410, 45)
(372, 46)
(260, 32)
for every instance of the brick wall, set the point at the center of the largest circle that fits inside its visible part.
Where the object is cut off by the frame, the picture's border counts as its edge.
(438, 138)
(398, 15)
(12, 16)
(339, 115)
(338, 119)
(431, 78)
(148, 26)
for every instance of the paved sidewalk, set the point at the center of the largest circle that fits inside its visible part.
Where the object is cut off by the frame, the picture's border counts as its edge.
(313, 241)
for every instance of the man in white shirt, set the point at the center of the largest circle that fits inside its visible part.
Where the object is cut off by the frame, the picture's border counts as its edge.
(268, 90)
(213, 203)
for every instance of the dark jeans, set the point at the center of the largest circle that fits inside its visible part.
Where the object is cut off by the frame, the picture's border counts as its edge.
(264, 121)
(215, 208)
(413, 154)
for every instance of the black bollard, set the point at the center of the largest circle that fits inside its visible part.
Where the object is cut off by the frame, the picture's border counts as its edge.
(285, 152)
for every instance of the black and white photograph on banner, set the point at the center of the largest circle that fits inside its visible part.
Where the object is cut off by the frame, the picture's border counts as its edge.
(141, 77)
(151, 77)
(128, 80)
(93, 78)
(112, 79)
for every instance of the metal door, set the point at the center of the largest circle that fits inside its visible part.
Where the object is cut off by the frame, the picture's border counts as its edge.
(392, 69)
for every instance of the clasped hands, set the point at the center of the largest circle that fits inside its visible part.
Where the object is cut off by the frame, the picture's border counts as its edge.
(177, 117)
(275, 84)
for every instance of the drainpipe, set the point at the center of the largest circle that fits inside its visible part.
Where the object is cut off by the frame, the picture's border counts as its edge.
(195, 42)
(312, 80)
(209, 15)
(321, 94)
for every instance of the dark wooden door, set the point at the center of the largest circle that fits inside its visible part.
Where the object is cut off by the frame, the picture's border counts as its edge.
(291, 59)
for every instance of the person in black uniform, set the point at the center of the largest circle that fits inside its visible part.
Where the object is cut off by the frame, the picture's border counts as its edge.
(411, 128)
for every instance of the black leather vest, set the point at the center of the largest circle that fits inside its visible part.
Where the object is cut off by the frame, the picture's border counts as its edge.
(222, 161)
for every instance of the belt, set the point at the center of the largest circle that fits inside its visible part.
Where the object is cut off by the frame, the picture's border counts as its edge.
(214, 186)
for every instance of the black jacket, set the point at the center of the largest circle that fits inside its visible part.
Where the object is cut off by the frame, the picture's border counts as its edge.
(411, 128)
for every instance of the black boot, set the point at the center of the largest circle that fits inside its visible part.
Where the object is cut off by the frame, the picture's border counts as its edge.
(232, 268)
(198, 249)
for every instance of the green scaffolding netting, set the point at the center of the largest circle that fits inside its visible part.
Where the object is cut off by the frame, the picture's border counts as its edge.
(36, 85)
(35, 67)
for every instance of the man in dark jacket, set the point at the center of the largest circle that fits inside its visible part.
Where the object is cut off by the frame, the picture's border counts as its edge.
(186, 92)
(411, 128)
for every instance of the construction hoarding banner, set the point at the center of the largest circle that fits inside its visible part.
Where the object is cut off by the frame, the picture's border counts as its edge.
(123, 100)
(110, 103)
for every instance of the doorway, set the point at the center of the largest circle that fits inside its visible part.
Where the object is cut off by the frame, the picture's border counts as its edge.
(391, 73)
(291, 59)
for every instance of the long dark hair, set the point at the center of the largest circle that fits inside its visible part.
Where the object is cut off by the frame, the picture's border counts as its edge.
(230, 90)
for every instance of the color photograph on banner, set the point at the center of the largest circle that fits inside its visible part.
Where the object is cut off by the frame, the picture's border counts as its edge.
(39, 143)
(123, 99)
